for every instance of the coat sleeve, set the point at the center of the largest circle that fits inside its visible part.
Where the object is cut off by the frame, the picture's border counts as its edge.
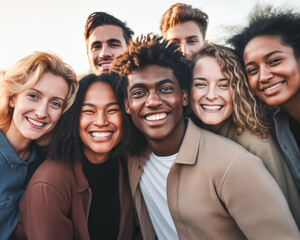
(256, 202)
(44, 213)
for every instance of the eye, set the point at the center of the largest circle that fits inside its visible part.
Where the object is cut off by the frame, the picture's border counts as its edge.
(166, 89)
(115, 44)
(88, 111)
(200, 84)
(138, 93)
(192, 41)
(224, 85)
(33, 96)
(95, 47)
(55, 104)
(251, 71)
(275, 61)
(113, 110)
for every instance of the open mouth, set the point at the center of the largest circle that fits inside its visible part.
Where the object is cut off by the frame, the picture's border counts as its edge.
(100, 134)
(156, 117)
(273, 87)
(35, 123)
(104, 65)
(212, 107)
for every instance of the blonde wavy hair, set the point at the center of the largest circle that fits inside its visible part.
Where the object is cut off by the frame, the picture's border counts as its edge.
(25, 73)
(248, 113)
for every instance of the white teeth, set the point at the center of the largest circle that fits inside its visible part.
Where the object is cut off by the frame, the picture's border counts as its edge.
(273, 87)
(39, 124)
(105, 65)
(210, 107)
(156, 117)
(101, 134)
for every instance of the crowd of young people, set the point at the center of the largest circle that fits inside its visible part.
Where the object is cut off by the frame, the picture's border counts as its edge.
(156, 143)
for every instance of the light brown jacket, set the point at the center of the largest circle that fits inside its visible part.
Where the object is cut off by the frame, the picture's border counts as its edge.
(217, 190)
(269, 153)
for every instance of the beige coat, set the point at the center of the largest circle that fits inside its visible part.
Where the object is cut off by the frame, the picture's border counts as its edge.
(217, 190)
(269, 153)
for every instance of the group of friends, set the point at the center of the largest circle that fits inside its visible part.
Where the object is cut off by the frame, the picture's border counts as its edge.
(169, 137)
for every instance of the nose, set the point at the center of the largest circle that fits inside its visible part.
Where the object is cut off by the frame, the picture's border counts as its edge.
(185, 50)
(265, 74)
(211, 93)
(105, 51)
(101, 119)
(41, 110)
(153, 100)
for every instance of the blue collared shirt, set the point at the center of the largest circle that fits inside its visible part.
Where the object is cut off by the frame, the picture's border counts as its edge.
(13, 181)
(287, 143)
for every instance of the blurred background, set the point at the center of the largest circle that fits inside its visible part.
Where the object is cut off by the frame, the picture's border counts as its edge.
(58, 25)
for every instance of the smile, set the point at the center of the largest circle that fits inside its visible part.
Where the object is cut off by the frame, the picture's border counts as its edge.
(36, 123)
(100, 134)
(156, 117)
(104, 65)
(273, 87)
(211, 107)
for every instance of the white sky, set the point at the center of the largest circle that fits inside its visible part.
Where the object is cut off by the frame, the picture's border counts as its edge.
(58, 25)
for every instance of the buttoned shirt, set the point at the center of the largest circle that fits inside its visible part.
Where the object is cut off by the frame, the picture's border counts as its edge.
(287, 143)
(13, 181)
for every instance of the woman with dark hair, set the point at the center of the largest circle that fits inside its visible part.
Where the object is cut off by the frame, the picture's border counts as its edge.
(34, 93)
(270, 49)
(222, 99)
(81, 191)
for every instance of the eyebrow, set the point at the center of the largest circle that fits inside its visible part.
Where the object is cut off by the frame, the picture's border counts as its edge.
(142, 85)
(265, 57)
(205, 79)
(113, 40)
(55, 97)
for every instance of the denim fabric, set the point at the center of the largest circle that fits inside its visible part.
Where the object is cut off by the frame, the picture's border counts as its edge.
(287, 143)
(13, 181)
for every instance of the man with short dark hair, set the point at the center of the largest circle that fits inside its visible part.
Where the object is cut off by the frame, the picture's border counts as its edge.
(188, 183)
(105, 38)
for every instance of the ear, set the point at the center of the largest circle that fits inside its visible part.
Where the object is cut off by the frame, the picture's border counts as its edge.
(126, 104)
(12, 103)
(184, 98)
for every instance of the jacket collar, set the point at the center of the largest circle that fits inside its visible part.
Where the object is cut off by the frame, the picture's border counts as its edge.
(188, 150)
(81, 181)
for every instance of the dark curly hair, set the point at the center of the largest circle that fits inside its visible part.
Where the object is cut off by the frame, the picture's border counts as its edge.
(101, 18)
(66, 143)
(145, 51)
(265, 20)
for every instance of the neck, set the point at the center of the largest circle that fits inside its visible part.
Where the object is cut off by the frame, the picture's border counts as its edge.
(94, 157)
(20, 144)
(292, 107)
(170, 144)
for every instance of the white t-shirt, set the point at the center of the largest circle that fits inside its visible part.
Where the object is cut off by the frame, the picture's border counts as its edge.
(153, 185)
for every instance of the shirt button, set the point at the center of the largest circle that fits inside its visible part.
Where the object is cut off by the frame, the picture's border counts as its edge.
(285, 147)
(22, 172)
(140, 167)
(10, 197)
(12, 166)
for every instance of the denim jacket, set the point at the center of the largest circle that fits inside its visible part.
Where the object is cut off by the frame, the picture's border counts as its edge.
(13, 180)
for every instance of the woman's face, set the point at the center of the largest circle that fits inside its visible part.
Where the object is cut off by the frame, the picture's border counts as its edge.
(37, 110)
(100, 122)
(272, 69)
(211, 99)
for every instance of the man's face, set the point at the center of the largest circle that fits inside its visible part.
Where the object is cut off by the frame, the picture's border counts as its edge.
(155, 102)
(103, 45)
(188, 36)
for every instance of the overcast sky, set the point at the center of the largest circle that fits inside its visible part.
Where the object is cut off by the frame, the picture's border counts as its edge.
(58, 25)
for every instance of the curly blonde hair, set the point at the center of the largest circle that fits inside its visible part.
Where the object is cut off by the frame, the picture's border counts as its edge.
(248, 111)
(25, 73)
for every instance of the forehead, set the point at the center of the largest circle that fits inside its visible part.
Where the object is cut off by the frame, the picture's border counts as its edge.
(99, 92)
(105, 33)
(184, 30)
(207, 65)
(151, 75)
(262, 45)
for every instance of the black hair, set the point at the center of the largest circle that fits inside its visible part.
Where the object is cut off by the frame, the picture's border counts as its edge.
(265, 20)
(66, 143)
(101, 18)
(145, 51)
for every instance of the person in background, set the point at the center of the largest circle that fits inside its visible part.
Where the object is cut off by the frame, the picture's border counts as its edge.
(181, 181)
(34, 93)
(222, 99)
(185, 25)
(270, 49)
(105, 38)
(82, 191)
